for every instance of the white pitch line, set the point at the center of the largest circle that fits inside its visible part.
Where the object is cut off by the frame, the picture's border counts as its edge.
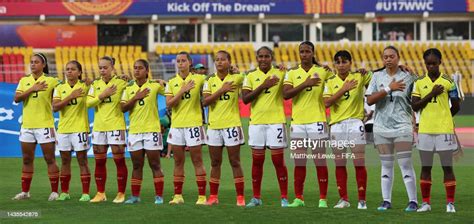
(9, 132)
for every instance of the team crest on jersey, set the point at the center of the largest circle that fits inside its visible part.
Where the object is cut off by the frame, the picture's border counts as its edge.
(214, 85)
(335, 87)
(170, 136)
(27, 84)
(133, 92)
(426, 87)
(98, 88)
(299, 77)
(381, 85)
(64, 92)
(257, 80)
(176, 85)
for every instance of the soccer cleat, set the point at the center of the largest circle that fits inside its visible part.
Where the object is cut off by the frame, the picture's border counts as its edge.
(241, 200)
(99, 197)
(284, 202)
(385, 206)
(425, 207)
(201, 200)
(412, 206)
(450, 207)
(177, 199)
(132, 200)
(213, 200)
(362, 205)
(323, 203)
(85, 197)
(342, 204)
(22, 196)
(53, 196)
(254, 202)
(158, 200)
(63, 197)
(296, 203)
(120, 198)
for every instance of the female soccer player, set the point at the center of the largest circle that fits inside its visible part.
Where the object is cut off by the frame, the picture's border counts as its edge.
(305, 85)
(109, 128)
(70, 99)
(390, 91)
(431, 96)
(344, 93)
(221, 94)
(183, 96)
(35, 91)
(263, 89)
(144, 134)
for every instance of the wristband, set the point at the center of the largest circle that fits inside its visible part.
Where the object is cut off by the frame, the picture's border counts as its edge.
(387, 90)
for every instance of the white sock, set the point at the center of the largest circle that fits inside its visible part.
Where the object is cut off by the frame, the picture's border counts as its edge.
(387, 176)
(408, 174)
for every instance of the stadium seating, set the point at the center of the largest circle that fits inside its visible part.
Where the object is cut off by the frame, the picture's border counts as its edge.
(14, 61)
(89, 58)
(457, 57)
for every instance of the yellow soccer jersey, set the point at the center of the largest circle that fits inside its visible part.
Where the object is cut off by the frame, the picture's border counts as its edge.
(224, 113)
(307, 106)
(188, 112)
(351, 104)
(435, 117)
(144, 115)
(107, 113)
(73, 117)
(37, 108)
(268, 107)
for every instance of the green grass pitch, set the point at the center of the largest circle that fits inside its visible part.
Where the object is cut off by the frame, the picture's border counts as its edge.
(73, 211)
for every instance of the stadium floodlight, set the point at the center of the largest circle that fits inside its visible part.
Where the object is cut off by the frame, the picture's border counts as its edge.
(154, 18)
(72, 19)
(316, 16)
(42, 18)
(261, 16)
(208, 16)
(369, 15)
(96, 18)
(426, 14)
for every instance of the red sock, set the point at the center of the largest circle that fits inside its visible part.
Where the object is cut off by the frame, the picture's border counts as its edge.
(361, 178)
(239, 185)
(258, 158)
(300, 176)
(54, 181)
(201, 183)
(214, 185)
(65, 179)
(122, 172)
(281, 171)
(341, 180)
(159, 182)
(178, 184)
(136, 186)
(425, 186)
(85, 180)
(26, 178)
(322, 172)
(450, 187)
(100, 171)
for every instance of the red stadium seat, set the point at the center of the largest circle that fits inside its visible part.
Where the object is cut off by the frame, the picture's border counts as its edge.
(6, 67)
(2, 75)
(20, 68)
(13, 70)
